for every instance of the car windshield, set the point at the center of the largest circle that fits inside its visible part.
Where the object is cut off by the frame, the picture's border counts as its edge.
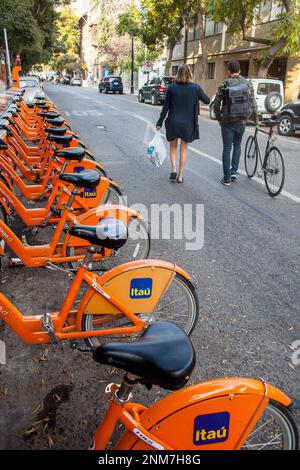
(30, 83)
(115, 79)
(265, 88)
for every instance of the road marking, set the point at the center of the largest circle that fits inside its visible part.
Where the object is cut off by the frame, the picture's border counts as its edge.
(291, 196)
(114, 107)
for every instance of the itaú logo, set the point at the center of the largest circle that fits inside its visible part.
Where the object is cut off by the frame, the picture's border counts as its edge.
(141, 288)
(4, 235)
(3, 312)
(211, 428)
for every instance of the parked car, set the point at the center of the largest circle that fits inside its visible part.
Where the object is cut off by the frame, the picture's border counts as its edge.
(289, 118)
(111, 84)
(268, 94)
(33, 88)
(65, 80)
(155, 90)
(75, 81)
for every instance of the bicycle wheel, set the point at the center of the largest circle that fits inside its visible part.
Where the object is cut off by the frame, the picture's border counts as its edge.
(179, 304)
(137, 247)
(114, 196)
(276, 430)
(274, 171)
(251, 156)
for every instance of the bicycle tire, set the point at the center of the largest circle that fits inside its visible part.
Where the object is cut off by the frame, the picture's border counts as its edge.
(248, 157)
(286, 419)
(114, 196)
(274, 192)
(189, 326)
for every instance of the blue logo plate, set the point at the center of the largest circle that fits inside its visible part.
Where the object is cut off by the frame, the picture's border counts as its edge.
(141, 288)
(212, 428)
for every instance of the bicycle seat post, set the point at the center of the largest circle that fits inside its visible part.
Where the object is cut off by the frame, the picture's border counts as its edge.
(123, 394)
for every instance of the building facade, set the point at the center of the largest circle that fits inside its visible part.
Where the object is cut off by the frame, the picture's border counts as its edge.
(89, 41)
(223, 47)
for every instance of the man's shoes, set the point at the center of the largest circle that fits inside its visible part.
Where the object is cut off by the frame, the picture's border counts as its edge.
(173, 176)
(225, 182)
(234, 178)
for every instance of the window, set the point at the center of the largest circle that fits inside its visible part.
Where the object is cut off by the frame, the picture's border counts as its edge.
(175, 70)
(277, 10)
(212, 28)
(194, 32)
(211, 71)
(266, 88)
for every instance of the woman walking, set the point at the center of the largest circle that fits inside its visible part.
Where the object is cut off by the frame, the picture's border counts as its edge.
(182, 106)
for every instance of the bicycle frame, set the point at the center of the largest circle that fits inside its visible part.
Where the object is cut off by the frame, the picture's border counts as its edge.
(269, 133)
(108, 290)
(157, 427)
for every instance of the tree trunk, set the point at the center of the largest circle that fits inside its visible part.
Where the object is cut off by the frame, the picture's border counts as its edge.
(204, 57)
(170, 57)
(186, 32)
(268, 61)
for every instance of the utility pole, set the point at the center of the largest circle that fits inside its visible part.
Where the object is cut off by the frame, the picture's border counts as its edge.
(8, 66)
(132, 66)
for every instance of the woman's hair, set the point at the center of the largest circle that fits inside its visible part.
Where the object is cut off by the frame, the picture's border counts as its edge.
(184, 74)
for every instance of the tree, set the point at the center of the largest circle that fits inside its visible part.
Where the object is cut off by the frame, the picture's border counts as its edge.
(239, 16)
(30, 28)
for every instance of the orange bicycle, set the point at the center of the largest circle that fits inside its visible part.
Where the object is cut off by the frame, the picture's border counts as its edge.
(122, 302)
(222, 414)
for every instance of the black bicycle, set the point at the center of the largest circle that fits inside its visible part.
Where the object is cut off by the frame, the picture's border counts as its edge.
(272, 166)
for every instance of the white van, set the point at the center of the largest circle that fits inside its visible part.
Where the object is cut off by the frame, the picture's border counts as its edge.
(268, 94)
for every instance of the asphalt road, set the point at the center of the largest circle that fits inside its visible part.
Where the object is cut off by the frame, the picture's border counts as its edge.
(247, 275)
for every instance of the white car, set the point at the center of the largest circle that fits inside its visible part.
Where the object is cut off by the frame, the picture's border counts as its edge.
(32, 87)
(75, 81)
(268, 94)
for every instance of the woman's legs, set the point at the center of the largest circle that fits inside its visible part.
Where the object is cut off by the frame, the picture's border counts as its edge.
(173, 154)
(183, 157)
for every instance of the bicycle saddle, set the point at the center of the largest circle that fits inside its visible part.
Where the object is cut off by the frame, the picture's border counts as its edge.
(164, 356)
(74, 153)
(60, 139)
(3, 145)
(84, 179)
(55, 121)
(56, 130)
(109, 233)
(49, 114)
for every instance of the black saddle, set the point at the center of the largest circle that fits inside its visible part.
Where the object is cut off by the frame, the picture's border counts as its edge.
(84, 179)
(55, 121)
(60, 139)
(49, 114)
(3, 145)
(43, 106)
(109, 233)
(56, 130)
(163, 356)
(40, 97)
(74, 153)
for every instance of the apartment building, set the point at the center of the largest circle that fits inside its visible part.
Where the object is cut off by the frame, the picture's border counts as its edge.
(223, 47)
(89, 40)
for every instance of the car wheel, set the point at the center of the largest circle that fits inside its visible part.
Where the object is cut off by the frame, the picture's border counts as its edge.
(141, 99)
(285, 125)
(100, 90)
(106, 91)
(212, 113)
(273, 102)
(153, 100)
(121, 92)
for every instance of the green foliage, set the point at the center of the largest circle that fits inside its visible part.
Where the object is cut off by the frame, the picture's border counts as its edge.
(30, 28)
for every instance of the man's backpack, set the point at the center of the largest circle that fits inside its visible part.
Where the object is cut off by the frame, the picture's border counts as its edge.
(237, 107)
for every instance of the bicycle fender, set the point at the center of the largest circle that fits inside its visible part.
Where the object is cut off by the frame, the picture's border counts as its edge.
(215, 415)
(120, 282)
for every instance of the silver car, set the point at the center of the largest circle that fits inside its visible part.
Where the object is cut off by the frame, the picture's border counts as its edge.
(32, 87)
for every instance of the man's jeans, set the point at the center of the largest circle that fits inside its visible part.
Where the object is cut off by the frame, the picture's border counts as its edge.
(232, 137)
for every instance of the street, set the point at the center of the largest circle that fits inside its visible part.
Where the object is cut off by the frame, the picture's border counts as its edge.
(247, 275)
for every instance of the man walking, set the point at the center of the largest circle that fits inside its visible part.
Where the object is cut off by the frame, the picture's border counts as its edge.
(233, 106)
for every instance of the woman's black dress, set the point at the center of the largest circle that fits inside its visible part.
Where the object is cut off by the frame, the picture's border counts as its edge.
(182, 106)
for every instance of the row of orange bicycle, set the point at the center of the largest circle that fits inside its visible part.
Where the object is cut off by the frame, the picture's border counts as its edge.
(48, 179)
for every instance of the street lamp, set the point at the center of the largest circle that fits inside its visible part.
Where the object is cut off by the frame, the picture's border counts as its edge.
(132, 67)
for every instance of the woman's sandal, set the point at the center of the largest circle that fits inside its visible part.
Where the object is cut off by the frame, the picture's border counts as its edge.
(173, 176)
(180, 181)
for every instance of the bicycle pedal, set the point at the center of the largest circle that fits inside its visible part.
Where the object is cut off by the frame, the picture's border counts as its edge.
(47, 325)
(24, 240)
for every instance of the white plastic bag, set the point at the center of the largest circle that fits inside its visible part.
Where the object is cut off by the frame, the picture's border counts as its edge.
(157, 150)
